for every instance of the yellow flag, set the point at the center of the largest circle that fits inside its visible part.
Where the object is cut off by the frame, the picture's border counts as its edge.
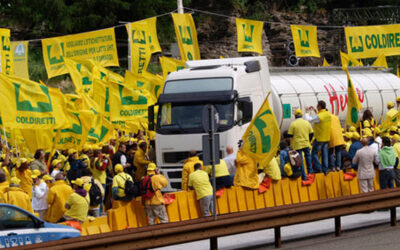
(146, 81)
(381, 61)
(99, 72)
(20, 57)
(151, 33)
(81, 74)
(325, 63)
(186, 36)
(305, 40)
(35, 139)
(97, 45)
(397, 73)
(169, 65)
(353, 105)
(101, 130)
(75, 135)
(261, 139)
(348, 60)
(30, 105)
(138, 33)
(249, 35)
(6, 56)
(127, 104)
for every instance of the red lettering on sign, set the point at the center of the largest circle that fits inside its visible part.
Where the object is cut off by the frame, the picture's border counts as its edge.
(342, 99)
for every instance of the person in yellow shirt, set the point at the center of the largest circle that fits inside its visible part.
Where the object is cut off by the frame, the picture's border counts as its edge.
(246, 170)
(14, 195)
(272, 169)
(56, 198)
(86, 154)
(396, 147)
(368, 121)
(24, 174)
(301, 133)
(3, 184)
(77, 204)
(390, 113)
(98, 168)
(222, 177)
(118, 186)
(188, 168)
(140, 161)
(322, 134)
(199, 181)
(154, 202)
(335, 144)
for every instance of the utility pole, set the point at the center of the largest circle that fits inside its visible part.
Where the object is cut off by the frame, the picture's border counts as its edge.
(180, 6)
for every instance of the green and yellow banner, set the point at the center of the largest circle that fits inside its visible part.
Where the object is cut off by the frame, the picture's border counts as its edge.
(169, 65)
(353, 105)
(139, 33)
(249, 35)
(372, 41)
(31, 105)
(20, 56)
(262, 137)
(186, 36)
(305, 40)
(98, 45)
(6, 56)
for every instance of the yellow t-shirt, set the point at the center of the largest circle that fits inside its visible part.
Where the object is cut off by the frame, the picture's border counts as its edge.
(273, 170)
(99, 175)
(119, 181)
(221, 169)
(322, 130)
(79, 206)
(201, 183)
(391, 112)
(300, 129)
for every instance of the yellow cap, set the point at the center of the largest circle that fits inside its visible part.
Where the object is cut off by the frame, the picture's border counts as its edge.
(118, 168)
(298, 112)
(78, 182)
(36, 172)
(367, 133)
(390, 105)
(71, 151)
(352, 129)
(393, 128)
(55, 162)
(34, 176)
(151, 167)
(124, 139)
(23, 160)
(355, 135)
(30, 160)
(396, 137)
(348, 134)
(398, 99)
(47, 177)
(141, 141)
(3, 156)
(86, 147)
(14, 180)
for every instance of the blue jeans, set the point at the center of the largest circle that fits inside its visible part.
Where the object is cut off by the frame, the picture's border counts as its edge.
(335, 160)
(323, 146)
(307, 155)
(386, 178)
(102, 200)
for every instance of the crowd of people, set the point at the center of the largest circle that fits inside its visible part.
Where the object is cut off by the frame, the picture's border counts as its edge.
(69, 185)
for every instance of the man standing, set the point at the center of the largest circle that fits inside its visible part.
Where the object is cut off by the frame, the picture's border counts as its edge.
(188, 168)
(246, 170)
(322, 133)
(16, 196)
(119, 184)
(58, 195)
(365, 158)
(199, 181)
(386, 160)
(39, 162)
(230, 160)
(391, 111)
(39, 196)
(153, 199)
(335, 144)
(355, 146)
(141, 161)
(301, 133)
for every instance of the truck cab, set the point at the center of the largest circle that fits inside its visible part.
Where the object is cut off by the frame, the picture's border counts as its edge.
(236, 87)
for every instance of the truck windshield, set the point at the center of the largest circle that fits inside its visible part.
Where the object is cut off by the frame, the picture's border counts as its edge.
(198, 85)
(186, 118)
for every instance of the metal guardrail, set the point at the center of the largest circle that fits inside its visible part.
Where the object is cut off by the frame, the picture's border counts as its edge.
(235, 223)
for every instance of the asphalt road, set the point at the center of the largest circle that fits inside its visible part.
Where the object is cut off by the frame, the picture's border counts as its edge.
(382, 237)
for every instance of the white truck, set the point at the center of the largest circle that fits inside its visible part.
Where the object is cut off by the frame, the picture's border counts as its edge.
(237, 87)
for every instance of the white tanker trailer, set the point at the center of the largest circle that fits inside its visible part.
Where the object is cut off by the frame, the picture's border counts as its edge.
(237, 87)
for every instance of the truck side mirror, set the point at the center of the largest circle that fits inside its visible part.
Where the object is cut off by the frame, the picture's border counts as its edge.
(150, 115)
(245, 108)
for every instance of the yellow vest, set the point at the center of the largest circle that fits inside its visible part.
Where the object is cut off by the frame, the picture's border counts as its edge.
(322, 130)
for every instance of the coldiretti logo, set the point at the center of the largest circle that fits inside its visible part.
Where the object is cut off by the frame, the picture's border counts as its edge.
(374, 41)
(304, 38)
(23, 99)
(139, 36)
(248, 35)
(263, 140)
(55, 53)
(76, 126)
(128, 100)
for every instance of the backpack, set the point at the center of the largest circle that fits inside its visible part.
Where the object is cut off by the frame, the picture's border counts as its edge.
(295, 158)
(146, 189)
(130, 189)
(95, 194)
